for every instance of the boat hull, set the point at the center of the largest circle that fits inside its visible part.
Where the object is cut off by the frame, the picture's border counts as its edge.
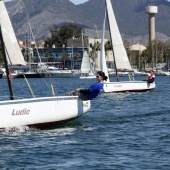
(87, 77)
(60, 75)
(1, 75)
(128, 86)
(29, 75)
(41, 112)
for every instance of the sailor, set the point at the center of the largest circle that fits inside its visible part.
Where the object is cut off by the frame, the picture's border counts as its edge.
(151, 77)
(94, 90)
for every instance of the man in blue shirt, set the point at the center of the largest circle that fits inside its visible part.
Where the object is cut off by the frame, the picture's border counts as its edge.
(94, 90)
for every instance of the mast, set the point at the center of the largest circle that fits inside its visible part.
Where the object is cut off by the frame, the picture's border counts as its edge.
(117, 78)
(82, 38)
(6, 66)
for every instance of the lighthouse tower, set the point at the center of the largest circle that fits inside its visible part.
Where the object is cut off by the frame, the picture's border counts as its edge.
(151, 10)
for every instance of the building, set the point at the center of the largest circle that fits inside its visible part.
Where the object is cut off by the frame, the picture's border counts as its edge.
(74, 50)
(135, 52)
(55, 56)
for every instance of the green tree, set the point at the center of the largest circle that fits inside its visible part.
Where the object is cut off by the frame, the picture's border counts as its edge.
(76, 55)
(47, 55)
(60, 35)
(145, 58)
(94, 51)
(108, 46)
(64, 56)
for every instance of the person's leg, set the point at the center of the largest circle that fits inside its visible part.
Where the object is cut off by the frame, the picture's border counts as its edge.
(83, 96)
(150, 81)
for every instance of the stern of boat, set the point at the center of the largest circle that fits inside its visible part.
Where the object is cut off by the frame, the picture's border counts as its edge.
(86, 106)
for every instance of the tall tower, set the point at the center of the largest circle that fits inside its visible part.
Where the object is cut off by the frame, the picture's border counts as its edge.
(151, 10)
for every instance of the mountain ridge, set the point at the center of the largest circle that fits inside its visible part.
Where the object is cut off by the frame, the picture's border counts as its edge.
(132, 19)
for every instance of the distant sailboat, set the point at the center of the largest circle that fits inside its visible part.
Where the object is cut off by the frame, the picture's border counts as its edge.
(120, 59)
(33, 112)
(87, 69)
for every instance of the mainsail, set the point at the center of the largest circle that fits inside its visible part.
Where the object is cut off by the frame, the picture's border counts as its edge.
(103, 65)
(13, 51)
(120, 55)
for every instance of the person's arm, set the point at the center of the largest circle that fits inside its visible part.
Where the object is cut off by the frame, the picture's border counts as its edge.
(85, 91)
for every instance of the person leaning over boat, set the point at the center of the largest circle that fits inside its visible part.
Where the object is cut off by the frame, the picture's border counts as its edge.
(94, 90)
(151, 77)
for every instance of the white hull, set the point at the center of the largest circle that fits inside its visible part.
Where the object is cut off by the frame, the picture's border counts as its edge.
(128, 86)
(41, 112)
(55, 74)
(88, 77)
(162, 73)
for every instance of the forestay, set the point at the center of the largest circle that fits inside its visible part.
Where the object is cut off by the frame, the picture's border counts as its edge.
(121, 58)
(13, 51)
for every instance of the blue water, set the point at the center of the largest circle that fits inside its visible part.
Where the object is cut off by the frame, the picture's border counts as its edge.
(121, 131)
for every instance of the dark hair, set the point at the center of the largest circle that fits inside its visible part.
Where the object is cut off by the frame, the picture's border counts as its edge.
(102, 74)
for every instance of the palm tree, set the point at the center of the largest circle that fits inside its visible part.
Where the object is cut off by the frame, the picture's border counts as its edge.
(108, 46)
(64, 56)
(94, 52)
(76, 56)
(47, 55)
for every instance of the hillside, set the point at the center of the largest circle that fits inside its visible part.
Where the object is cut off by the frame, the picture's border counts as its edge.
(43, 14)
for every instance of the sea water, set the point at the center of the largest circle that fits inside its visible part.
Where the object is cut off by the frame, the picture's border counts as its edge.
(121, 131)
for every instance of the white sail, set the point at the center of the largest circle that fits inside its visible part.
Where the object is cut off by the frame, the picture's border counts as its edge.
(86, 66)
(121, 58)
(103, 65)
(11, 45)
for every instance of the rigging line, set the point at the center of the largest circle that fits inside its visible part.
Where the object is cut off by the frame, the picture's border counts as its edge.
(34, 41)
(47, 84)
(33, 95)
(27, 14)
(37, 27)
(36, 47)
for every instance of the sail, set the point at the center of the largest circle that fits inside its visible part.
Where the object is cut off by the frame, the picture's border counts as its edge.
(13, 51)
(103, 65)
(121, 58)
(86, 66)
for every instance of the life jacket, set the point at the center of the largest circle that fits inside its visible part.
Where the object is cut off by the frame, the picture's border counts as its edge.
(152, 76)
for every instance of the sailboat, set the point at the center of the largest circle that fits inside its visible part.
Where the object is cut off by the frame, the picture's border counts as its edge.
(121, 60)
(87, 70)
(42, 112)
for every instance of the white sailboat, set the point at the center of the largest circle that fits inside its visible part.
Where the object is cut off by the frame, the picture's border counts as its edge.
(32, 112)
(120, 58)
(87, 70)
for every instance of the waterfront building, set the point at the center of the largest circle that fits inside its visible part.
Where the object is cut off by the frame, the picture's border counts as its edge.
(72, 60)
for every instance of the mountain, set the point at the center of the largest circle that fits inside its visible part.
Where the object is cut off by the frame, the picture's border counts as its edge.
(43, 14)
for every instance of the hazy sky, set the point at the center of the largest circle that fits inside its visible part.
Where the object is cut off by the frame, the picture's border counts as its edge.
(74, 1)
